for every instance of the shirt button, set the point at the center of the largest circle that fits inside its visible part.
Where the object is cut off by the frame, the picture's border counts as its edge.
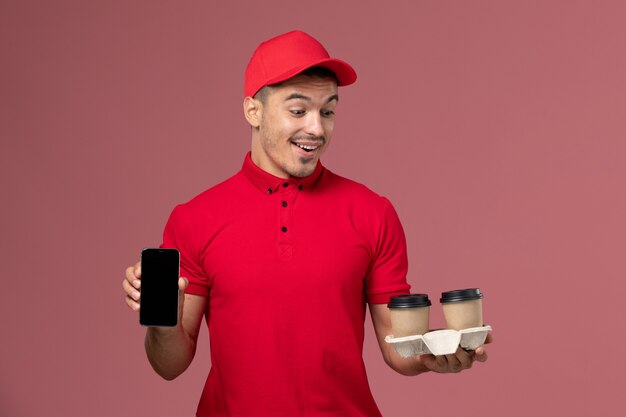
(300, 187)
(269, 191)
(284, 229)
(286, 184)
(284, 204)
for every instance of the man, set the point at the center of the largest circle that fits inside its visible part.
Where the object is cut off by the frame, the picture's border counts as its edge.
(282, 258)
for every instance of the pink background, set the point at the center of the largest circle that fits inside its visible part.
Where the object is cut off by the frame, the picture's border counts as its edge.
(497, 129)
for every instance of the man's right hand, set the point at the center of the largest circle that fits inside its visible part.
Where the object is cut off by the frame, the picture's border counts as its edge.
(170, 350)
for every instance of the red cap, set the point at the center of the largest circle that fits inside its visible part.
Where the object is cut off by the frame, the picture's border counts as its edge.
(287, 55)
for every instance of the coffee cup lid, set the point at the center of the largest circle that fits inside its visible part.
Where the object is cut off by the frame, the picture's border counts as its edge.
(409, 301)
(461, 295)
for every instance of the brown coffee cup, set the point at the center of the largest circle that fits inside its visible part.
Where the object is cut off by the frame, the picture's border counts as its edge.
(409, 314)
(462, 309)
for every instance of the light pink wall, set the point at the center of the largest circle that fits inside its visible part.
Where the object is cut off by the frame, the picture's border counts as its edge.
(497, 129)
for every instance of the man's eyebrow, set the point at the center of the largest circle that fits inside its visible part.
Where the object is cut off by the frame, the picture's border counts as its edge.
(298, 96)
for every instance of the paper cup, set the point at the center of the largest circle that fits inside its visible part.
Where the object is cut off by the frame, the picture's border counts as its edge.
(463, 309)
(409, 314)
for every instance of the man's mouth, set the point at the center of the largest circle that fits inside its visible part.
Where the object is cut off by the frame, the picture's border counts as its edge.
(308, 145)
(307, 148)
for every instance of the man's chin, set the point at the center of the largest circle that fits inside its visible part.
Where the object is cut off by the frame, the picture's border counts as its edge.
(305, 167)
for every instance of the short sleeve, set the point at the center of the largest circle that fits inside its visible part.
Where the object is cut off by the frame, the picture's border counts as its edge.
(178, 235)
(387, 274)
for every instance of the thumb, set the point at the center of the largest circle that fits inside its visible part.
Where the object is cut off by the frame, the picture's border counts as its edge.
(182, 285)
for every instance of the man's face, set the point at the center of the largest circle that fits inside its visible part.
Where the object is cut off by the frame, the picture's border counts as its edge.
(296, 122)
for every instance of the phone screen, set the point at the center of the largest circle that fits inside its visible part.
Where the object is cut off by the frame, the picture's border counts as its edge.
(158, 304)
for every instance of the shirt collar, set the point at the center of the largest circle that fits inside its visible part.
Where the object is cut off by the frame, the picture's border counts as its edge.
(269, 183)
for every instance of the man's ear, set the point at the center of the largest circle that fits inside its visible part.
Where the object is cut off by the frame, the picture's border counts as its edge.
(252, 110)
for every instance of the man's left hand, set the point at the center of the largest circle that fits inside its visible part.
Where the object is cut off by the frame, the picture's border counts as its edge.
(460, 360)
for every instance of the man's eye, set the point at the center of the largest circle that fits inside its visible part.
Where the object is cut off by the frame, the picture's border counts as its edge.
(328, 113)
(297, 112)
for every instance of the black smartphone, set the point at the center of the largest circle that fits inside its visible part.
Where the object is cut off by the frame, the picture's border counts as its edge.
(158, 304)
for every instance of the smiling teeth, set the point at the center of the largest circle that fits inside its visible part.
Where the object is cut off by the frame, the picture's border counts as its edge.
(305, 147)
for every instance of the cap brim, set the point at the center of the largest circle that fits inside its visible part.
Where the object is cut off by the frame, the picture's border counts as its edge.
(345, 74)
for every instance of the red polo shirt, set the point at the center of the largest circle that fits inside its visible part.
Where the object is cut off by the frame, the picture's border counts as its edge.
(287, 266)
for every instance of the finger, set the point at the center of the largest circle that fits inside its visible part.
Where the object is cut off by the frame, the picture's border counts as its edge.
(131, 291)
(465, 358)
(429, 361)
(489, 338)
(442, 362)
(480, 354)
(132, 277)
(454, 364)
(134, 305)
(138, 269)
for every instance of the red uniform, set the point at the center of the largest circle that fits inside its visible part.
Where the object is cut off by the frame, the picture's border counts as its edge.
(287, 267)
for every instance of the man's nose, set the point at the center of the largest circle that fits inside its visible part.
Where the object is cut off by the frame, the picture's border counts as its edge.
(314, 125)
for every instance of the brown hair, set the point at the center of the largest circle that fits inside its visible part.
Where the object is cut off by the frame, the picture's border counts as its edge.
(317, 72)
